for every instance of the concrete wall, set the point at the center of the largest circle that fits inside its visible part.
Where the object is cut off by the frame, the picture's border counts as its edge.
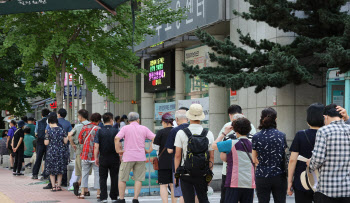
(290, 101)
(124, 89)
(97, 101)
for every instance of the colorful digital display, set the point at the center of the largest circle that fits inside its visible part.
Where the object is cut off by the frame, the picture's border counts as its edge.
(161, 73)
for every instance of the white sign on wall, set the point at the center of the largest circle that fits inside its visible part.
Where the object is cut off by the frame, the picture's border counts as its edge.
(202, 101)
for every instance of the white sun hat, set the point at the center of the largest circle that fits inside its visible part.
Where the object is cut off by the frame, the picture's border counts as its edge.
(195, 112)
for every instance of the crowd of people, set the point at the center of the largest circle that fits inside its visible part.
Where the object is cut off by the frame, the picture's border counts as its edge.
(252, 161)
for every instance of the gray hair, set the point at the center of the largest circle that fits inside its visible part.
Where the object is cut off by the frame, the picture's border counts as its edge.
(133, 116)
(181, 114)
(237, 116)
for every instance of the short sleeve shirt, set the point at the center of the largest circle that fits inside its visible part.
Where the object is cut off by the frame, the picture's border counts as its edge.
(161, 138)
(270, 144)
(182, 139)
(304, 148)
(16, 137)
(171, 138)
(134, 136)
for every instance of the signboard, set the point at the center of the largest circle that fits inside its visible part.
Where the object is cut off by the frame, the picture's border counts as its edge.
(200, 13)
(335, 74)
(198, 56)
(161, 108)
(70, 92)
(161, 73)
(233, 95)
(202, 101)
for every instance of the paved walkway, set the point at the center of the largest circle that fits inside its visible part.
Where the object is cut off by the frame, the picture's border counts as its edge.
(23, 189)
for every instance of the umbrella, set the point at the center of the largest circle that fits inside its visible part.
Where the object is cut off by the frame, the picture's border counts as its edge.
(28, 6)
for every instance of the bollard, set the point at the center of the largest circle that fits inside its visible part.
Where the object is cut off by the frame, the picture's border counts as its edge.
(6, 161)
(27, 169)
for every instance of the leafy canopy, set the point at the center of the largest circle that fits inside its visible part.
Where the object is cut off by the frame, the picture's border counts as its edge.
(68, 41)
(322, 40)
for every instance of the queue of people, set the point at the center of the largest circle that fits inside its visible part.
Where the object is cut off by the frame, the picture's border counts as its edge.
(253, 161)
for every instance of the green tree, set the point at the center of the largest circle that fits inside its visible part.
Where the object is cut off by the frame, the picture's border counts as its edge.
(70, 40)
(13, 95)
(322, 40)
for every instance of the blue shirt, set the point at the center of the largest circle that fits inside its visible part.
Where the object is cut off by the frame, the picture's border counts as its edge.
(270, 144)
(171, 137)
(11, 132)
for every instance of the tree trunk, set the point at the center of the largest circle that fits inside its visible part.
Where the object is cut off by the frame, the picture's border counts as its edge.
(60, 85)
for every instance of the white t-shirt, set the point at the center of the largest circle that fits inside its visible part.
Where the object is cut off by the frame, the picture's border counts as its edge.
(252, 132)
(181, 139)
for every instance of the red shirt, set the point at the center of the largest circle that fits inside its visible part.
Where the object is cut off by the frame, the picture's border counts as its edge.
(88, 141)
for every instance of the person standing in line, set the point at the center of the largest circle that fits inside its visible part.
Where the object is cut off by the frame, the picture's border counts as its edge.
(55, 139)
(86, 138)
(40, 147)
(269, 147)
(117, 122)
(3, 142)
(165, 175)
(25, 119)
(196, 182)
(73, 137)
(31, 126)
(28, 143)
(18, 148)
(10, 134)
(232, 111)
(107, 158)
(240, 181)
(123, 121)
(303, 144)
(134, 154)
(182, 123)
(331, 156)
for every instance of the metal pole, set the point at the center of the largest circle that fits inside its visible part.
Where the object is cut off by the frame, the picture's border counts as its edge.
(73, 102)
(67, 92)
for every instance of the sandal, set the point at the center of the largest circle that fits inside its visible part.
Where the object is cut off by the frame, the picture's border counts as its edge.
(58, 188)
(81, 197)
(98, 196)
(53, 189)
(87, 194)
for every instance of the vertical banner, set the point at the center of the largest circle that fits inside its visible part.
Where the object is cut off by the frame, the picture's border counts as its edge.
(161, 108)
(202, 101)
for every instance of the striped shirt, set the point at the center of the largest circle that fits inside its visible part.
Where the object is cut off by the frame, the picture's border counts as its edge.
(240, 171)
(331, 155)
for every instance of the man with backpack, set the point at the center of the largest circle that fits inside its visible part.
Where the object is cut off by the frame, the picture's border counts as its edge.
(193, 146)
(41, 148)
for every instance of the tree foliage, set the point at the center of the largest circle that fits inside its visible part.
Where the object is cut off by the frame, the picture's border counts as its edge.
(13, 95)
(322, 40)
(70, 40)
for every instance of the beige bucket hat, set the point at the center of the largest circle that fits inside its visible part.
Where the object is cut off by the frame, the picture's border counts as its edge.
(195, 112)
(309, 180)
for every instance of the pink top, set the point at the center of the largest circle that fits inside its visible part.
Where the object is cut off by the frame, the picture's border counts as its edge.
(134, 136)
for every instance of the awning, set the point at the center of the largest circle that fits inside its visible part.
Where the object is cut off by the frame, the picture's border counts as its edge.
(28, 6)
(40, 103)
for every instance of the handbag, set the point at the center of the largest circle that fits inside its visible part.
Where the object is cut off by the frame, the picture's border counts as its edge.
(156, 161)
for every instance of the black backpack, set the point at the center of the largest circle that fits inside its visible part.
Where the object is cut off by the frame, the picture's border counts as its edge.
(197, 159)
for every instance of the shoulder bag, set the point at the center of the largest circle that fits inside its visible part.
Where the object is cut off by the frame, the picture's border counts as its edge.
(156, 161)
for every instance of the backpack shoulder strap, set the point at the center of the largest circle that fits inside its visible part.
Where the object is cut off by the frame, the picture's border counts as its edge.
(187, 132)
(204, 132)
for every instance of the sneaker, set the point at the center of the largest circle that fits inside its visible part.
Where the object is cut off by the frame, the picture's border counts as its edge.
(135, 201)
(14, 173)
(34, 177)
(71, 188)
(121, 201)
(104, 201)
(19, 174)
(47, 187)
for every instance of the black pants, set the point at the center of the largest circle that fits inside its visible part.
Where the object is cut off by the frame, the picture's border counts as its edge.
(189, 184)
(321, 198)
(303, 196)
(277, 185)
(223, 189)
(17, 166)
(108, 164)
(40, 154)
(241, 195)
